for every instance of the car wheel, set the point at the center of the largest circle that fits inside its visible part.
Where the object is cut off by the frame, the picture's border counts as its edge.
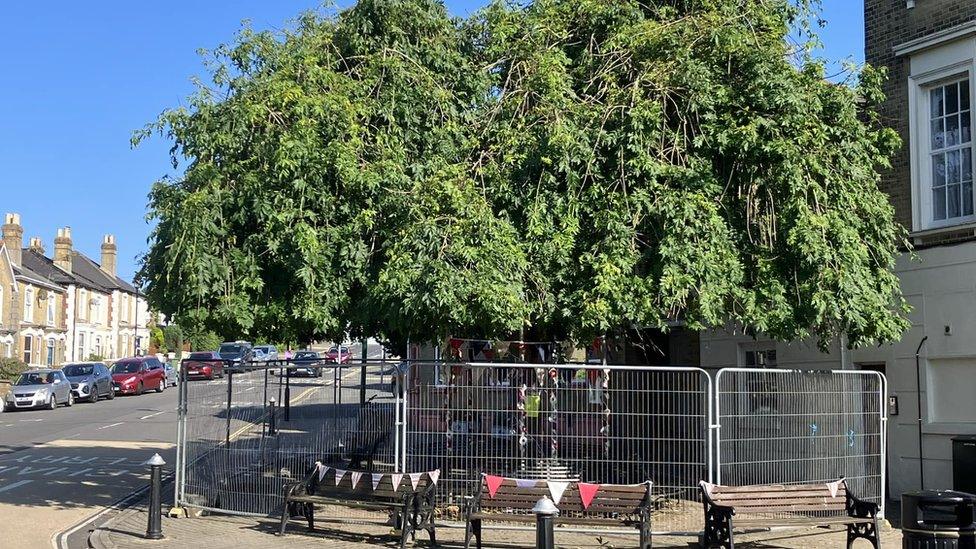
(93, 397)
(111, 394)
(161, 387)
(71, 400)
(52, 404)
(140, 389)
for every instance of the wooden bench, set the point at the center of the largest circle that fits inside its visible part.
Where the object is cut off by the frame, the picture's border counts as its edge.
(612, 505)
(790, 505)
(412, 509)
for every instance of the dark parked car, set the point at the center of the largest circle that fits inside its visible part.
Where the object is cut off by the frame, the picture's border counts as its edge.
(240, 353)
(204, 365)
(338, 355)
(307, 364)
(89, 380)
(133, 376)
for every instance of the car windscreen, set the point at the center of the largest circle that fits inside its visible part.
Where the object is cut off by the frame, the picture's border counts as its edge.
(36, 378)
(231, 351)
(78, 370)
(306, 355)
(200, 356)
(125, 368)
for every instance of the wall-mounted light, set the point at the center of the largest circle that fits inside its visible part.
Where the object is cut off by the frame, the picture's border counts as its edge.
(909, 4)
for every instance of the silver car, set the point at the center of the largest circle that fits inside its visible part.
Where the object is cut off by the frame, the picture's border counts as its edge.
(172, 377)
(42, 388)
(265, 353)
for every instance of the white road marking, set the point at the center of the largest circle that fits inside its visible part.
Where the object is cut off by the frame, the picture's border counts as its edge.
(38, 419)
(15, 485)
(112, 425)
(153, 415)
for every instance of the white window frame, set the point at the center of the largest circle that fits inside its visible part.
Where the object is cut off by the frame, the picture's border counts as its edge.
(29, 304)
(83, 309)
(1, 305)
(50, 350)
(28, 349)
(920, 137)
(51, 302)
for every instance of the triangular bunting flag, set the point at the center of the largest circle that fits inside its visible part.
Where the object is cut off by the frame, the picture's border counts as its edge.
(434, 475)
(525, 483)
(397, 477)
(377, 477)
(556, 489)
(493, 483)
(415, 479)
(322, 471)
(356, 475)
(834, 487)
(587, 491)
(338, 476)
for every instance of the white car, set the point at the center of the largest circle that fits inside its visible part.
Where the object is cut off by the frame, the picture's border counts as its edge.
(265, 353)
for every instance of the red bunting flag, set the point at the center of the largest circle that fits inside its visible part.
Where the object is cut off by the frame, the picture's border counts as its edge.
(456, 343)
(494, 483)
(587, 492)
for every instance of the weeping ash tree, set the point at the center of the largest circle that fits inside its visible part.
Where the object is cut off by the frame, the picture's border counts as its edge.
(560, 169)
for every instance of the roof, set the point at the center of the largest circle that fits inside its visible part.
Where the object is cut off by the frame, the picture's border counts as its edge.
(45, 267)
(26, 274)
(85, 266)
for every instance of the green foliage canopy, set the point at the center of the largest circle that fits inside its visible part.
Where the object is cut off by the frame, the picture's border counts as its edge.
(565, 167)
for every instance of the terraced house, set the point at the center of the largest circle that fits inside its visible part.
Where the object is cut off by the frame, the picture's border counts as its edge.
(87, 312)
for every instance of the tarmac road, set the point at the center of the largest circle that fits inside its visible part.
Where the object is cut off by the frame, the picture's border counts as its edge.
(58, 467)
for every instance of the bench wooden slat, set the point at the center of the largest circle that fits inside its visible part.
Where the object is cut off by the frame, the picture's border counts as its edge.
(506, 517)
(777, 495)
(722, 489)
(806, 521)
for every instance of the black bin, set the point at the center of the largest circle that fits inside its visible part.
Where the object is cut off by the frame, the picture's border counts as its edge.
(933, 519)
(964, 464)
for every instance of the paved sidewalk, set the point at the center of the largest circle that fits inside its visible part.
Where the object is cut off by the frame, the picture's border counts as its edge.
(218, 532)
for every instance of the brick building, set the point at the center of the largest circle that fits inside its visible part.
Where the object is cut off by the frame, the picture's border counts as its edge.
(929, 49)
(66, 307)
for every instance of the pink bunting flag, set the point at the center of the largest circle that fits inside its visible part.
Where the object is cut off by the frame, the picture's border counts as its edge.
(556, 490)
(415, 479)
(434, 475)
(525, 483)
(397, 477)
(587, 492)
(356, 475)
(494, 483)
(322, 471)
(377, 477)
(339, 473)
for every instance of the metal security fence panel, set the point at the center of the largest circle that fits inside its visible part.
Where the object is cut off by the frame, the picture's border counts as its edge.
(592, 423)
(247, 435)
(794, 427)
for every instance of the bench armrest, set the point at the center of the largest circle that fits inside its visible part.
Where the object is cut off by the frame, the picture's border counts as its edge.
(716, 510)
(861, 509)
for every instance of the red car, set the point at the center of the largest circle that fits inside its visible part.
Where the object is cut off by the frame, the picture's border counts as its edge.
(338, 355)
(133, 376)
(204, 365)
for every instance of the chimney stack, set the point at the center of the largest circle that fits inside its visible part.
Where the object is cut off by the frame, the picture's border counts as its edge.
(13, 237)
(62, 249)
(109, 255)
(36, 245)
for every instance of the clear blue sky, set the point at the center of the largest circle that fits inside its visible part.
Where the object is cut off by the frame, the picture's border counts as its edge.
(79, 77)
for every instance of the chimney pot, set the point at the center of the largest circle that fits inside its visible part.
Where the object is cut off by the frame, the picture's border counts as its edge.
(109, 255)
(63, 249)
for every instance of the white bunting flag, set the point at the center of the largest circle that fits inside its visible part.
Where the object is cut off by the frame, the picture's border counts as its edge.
(556, 489)
(322, 471)
(397, 477)
(834, 487)
(434, 475)
(415, 479)
(356, 475)
(525, 483)
(377, 477)
(338, 476)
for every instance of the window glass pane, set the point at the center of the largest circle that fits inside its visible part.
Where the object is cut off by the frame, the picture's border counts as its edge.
(938, 203)
(953, 165)
(965, 131)
(938, 134)
(935, 100)
(952, 130)
(964, 94)
(951, 98)
(967, 198)
(967, 164)
(954, 200)
(938, 170)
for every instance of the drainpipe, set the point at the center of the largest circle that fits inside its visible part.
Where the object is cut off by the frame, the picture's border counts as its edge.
(918, 401)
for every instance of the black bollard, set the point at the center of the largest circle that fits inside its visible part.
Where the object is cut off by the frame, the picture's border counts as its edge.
(154, 530)
(545, 513)
(272, 428)
(288, 394)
